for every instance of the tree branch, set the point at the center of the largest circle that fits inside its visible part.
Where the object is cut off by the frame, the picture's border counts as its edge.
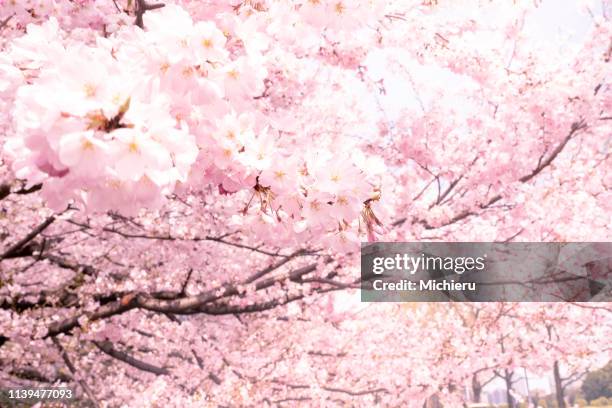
(173, 304)
(186, 282)
(107, 348)
(5, 22)
(576, 126)
(31, 374)
(142, 7)
(72, 369)
(334, 389)
(5, 190)
(214, 378)
(447, 191)
(33, 234)
(194, 239)
(189, 303)
(356, 393)
(107, 310)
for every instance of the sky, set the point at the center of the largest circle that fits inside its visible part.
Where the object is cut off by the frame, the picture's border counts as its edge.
(556, 24)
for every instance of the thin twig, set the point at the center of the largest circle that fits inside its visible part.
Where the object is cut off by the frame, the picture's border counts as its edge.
(117, 6)
(72, 369)
(4, 22)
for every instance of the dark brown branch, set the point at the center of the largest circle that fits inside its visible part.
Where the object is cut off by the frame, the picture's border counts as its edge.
(323, 354)
(217, 310)
(189, 303)
(23, 242)
(238, 245)
(577, 376)
(486, 382)
(331, 282)
(20, 305)
(142, 7)
(33, 189)
(447, 191)
(117, 6)
(62, 296)
(272, 267)
(102, 312)
(214, 378)
(172, 304)
(5, 190)
(107, 348)
(31, 374)
(186, 282)
(588, 306)
(72, 265)
(4, 22)
(292, 399)
(576, 126)
(416, 197)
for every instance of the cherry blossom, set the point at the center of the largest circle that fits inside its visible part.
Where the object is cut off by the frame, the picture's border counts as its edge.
(185, 187)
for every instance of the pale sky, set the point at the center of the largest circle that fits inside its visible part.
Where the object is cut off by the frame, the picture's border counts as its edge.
(557, 24)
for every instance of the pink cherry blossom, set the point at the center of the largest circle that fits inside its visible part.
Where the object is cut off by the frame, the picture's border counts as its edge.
(185, 188)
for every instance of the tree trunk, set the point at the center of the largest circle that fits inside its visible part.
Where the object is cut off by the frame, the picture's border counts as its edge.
(476, 389)
(508, 380)
(559, 391)
(432, 402)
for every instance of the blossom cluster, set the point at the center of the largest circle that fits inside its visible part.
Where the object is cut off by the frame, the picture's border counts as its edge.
(121, 121)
